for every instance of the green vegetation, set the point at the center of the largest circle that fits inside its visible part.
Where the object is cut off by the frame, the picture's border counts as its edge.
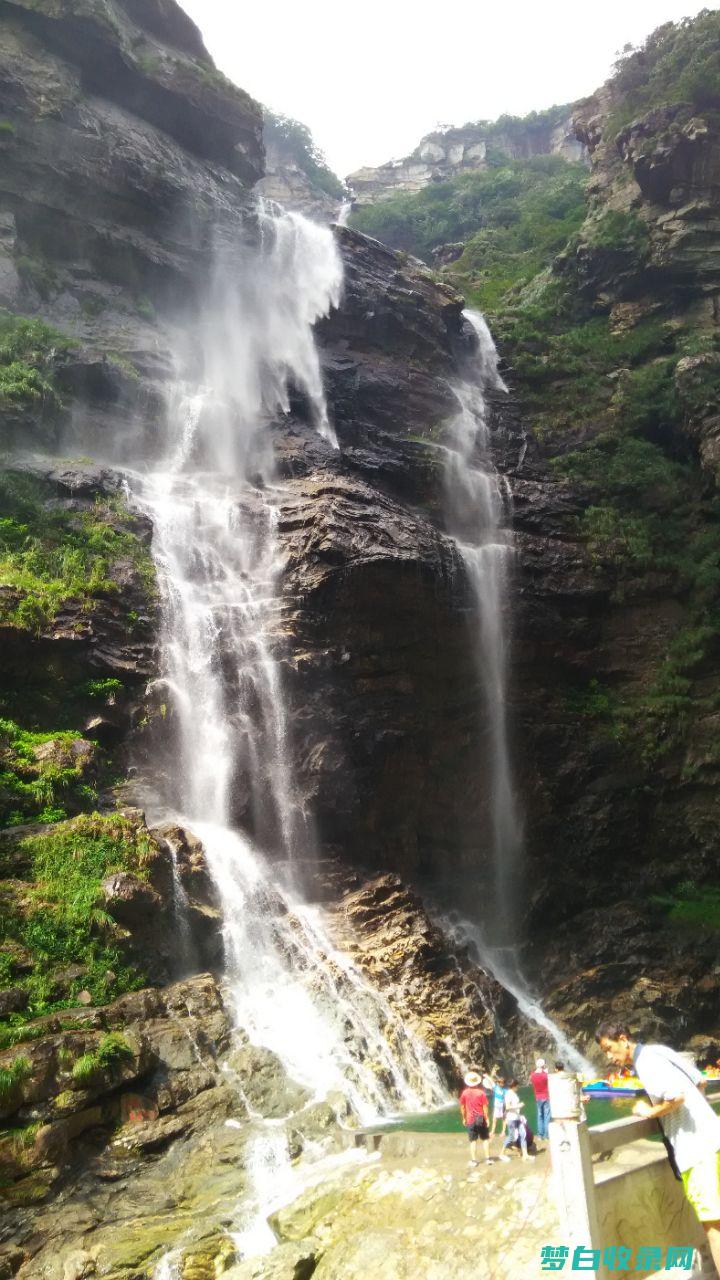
(92, 306)
(654, 720)
(604, 399)
(11, 1078)
(22, 1137)
(678, 63)
(145, 308)
(513, 218)
(39, 274)
(569, 365)
(7, 127)
(102, 690)
(691, 906)
(50, 556)
(125, 366)
(17, 1032)
(51, 912)
(111, 1051)
(37, 786)
(22, 385)
(30, 340)
(295, 143)
(27, 351)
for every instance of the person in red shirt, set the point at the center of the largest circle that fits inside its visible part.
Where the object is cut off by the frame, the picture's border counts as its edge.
(539, 1082)
(474, 1112)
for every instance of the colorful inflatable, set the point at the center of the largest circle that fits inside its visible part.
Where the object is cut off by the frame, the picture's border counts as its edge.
(613, 1087)
(627, 1086)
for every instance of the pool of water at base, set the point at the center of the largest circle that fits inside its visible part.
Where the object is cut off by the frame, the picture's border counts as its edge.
(447, 1119)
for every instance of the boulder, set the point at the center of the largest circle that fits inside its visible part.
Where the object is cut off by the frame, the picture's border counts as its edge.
(129, 900)
(264, 1084)
(12, 1000)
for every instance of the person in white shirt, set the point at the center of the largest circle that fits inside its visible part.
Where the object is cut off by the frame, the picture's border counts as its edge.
(515, 1124)
(689, 1123)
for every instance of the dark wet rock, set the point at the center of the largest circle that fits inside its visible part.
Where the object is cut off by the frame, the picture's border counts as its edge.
(626, 962)
(375, 692)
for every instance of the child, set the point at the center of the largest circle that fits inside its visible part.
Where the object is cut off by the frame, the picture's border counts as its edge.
(498, 1105)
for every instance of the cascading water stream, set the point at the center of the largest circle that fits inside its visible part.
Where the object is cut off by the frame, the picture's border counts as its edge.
(475, 516)
(213, 502)
(476, 507)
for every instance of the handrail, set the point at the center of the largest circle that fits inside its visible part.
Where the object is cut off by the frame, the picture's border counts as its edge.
(617, 1133)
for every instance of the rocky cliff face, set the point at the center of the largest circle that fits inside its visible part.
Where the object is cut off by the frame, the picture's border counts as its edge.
(125, 158)
(289, 185)
(449, 152)
(616, 628)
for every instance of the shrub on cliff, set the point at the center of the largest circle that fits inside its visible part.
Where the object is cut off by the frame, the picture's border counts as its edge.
(51, 916)
(43, 776)
(514, 216)
(296, 144)
(27, 350)
(679, 62)
(112, 1050)
(50, 555)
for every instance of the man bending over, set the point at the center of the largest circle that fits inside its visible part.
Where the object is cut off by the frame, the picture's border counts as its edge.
(690, 1125)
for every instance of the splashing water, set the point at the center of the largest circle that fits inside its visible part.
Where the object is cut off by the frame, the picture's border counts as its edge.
(502, 963)
(213, 504)
(275, 1182)
(168, 1268)
(299, 997)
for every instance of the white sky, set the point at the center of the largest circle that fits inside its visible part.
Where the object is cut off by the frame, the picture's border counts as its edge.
(370, 78)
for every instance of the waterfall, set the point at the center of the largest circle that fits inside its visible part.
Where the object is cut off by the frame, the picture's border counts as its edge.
(213, 502)
(475, 513)
(475, 510)
(502, 963)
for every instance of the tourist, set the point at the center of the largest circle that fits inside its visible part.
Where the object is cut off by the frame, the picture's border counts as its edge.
(474, 1112)
(516, 1127)
(539, 1082)
(523, 1140)
(498, 1106)
(690, 1126)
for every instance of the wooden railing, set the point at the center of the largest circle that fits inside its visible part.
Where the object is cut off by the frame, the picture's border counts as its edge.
(598, 1202)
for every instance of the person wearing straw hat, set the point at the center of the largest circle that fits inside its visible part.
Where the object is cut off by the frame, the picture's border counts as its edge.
(474, 1112)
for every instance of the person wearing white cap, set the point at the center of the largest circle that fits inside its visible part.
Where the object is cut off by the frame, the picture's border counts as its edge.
(539, 1082)
(474, 1112)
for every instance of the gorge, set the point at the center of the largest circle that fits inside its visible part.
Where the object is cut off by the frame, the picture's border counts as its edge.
(351, 673)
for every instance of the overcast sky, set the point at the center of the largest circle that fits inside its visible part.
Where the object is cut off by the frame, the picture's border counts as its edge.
(371, 78)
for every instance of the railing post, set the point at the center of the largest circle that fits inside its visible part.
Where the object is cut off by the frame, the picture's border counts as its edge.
(572, 1170)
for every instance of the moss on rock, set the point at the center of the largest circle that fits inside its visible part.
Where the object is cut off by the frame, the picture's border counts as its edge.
(53, 553)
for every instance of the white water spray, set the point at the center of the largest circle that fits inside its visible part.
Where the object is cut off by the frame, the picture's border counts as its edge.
(213, 506)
